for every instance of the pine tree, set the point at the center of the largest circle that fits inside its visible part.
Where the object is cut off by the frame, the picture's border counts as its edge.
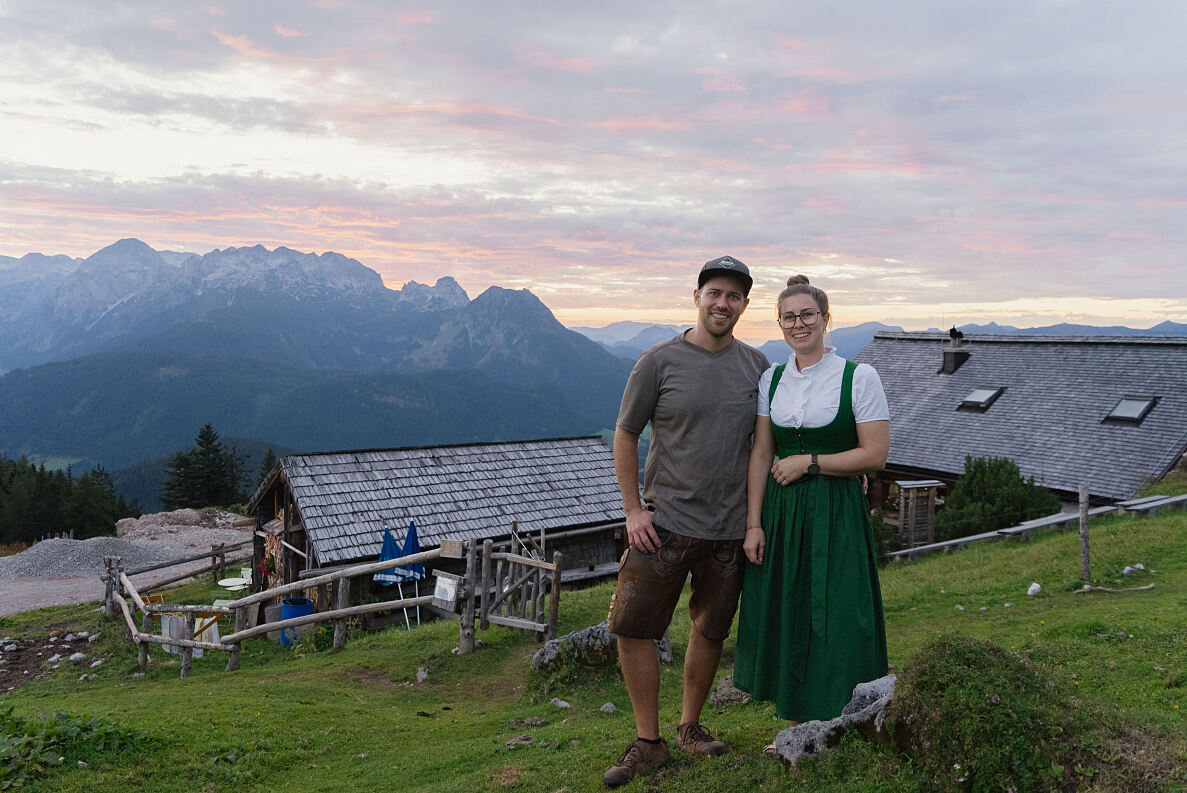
(266, 466)
(992, 495)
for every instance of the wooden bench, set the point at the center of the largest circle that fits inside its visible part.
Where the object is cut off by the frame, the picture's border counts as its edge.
(1150, 506)
(1062, 520)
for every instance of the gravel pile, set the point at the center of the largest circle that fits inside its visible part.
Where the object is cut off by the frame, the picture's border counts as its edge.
(82, 557)
(146, 541)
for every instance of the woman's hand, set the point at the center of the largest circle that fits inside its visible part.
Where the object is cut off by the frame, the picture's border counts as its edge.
(790, 468)
(755, 544)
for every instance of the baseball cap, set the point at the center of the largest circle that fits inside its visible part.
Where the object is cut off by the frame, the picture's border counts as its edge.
(726, 265)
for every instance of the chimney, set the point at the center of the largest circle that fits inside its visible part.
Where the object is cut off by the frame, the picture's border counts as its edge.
(955, 354)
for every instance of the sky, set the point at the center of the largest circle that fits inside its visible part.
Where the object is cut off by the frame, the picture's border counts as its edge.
(927, 163)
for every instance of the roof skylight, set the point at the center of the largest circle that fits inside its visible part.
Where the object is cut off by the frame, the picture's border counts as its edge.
(980, 399)
(1131, 409)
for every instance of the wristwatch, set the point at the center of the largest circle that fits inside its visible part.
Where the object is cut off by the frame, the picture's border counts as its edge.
(814, 466)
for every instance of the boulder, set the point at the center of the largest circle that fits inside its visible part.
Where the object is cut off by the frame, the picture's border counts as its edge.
(727, 694)
(866, 713)
(591, 646)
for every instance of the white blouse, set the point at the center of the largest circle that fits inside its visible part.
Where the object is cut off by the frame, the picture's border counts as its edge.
(812, 397)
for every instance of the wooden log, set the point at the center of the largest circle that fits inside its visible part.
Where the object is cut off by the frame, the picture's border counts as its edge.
(350, 572)
(341, 602)
(187, 651)
(513, 589)
(109, 588)
(554, 606)
(241, 618)
(182, 609)
(131, 590)
(325, 616)
(466, 626)
(1108, 589)
(152, 638)
(142, 645)
(176, 578)
(194, 558)
(523, 560)
(517, 622)
(485, 589)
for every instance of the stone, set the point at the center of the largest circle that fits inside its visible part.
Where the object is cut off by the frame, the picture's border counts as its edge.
(69, 637)
(55, 658)
(96, 663)
(592, 646)
(1034, 589)
(519, 740)
(92, 638)
(866, 713)
(608, 708)
(727, 694)
(78, 657)
(560, 703)
(422, 674)
(8, 648)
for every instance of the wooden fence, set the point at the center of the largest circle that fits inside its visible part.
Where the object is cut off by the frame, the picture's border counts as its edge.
(124, 599)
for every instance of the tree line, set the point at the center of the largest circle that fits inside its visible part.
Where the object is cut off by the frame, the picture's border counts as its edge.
(209, 475)
(36, 501)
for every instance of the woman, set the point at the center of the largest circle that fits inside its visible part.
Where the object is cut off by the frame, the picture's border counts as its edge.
(811, 624)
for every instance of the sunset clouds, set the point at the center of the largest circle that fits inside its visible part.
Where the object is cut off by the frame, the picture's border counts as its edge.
(926, 163)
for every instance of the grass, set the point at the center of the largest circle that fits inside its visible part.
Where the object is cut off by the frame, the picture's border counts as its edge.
(358, 719)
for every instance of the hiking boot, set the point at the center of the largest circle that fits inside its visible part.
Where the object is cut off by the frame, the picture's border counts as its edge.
(694, 738)
(639, 758)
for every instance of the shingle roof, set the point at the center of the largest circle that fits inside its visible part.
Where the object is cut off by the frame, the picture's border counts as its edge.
(452, 492)
(1048, 419)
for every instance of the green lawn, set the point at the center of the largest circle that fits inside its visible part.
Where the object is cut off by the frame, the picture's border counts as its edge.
(357, 719)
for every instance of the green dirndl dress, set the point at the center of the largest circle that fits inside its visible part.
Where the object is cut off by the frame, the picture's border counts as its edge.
(811, 625)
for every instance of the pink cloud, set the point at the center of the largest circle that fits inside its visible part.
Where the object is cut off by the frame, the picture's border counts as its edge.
(546, 60)
(720, 79)
(163, 23)
(281, 30)
(806, 103)
(423, 16)
(627, 125)
(242, 45)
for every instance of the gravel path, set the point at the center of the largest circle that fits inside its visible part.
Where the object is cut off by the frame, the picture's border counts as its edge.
(62, 572)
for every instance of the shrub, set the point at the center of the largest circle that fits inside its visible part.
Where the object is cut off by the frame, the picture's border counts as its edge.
(992, 495)
(975, 717)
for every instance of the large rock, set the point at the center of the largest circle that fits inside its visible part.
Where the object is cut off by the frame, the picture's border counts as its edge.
(866, 713)
(591, 646)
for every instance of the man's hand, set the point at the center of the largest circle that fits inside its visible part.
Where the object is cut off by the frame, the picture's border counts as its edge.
(640, 533)
(755, 544)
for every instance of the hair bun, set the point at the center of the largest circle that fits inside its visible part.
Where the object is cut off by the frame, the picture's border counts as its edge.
(797, 279)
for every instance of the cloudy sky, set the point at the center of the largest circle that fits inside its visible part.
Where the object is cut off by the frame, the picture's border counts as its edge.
(1023, 161)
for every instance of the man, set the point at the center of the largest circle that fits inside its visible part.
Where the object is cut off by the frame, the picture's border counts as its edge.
(699, 392)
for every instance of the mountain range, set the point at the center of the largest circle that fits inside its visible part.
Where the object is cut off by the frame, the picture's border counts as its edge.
(629, 338)
(122, 356)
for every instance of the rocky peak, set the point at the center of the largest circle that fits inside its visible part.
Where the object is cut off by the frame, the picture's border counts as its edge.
(445, 294)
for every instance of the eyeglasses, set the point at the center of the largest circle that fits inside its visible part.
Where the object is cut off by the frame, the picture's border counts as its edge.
(807, 316)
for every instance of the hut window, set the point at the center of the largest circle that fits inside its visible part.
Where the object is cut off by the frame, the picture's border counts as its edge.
(979, 400)
(1130, 410)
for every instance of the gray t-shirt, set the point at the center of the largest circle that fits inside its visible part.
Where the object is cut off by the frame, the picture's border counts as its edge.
(701, 406)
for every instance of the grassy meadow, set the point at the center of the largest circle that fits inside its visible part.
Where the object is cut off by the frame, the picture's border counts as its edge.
(358, 719)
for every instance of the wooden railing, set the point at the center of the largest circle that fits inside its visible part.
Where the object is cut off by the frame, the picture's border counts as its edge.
(514, 597)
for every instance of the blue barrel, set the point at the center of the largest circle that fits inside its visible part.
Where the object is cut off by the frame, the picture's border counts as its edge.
(289, 608)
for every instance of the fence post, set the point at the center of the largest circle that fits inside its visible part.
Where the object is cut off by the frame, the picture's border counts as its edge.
(142, 651)
(222, 561)
(187, 652)
(119, 587)
(237, 648)
(484, 590)
(108, 589)
(341, 601)
(466, 630)
(554, 607)
(1085, 572)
